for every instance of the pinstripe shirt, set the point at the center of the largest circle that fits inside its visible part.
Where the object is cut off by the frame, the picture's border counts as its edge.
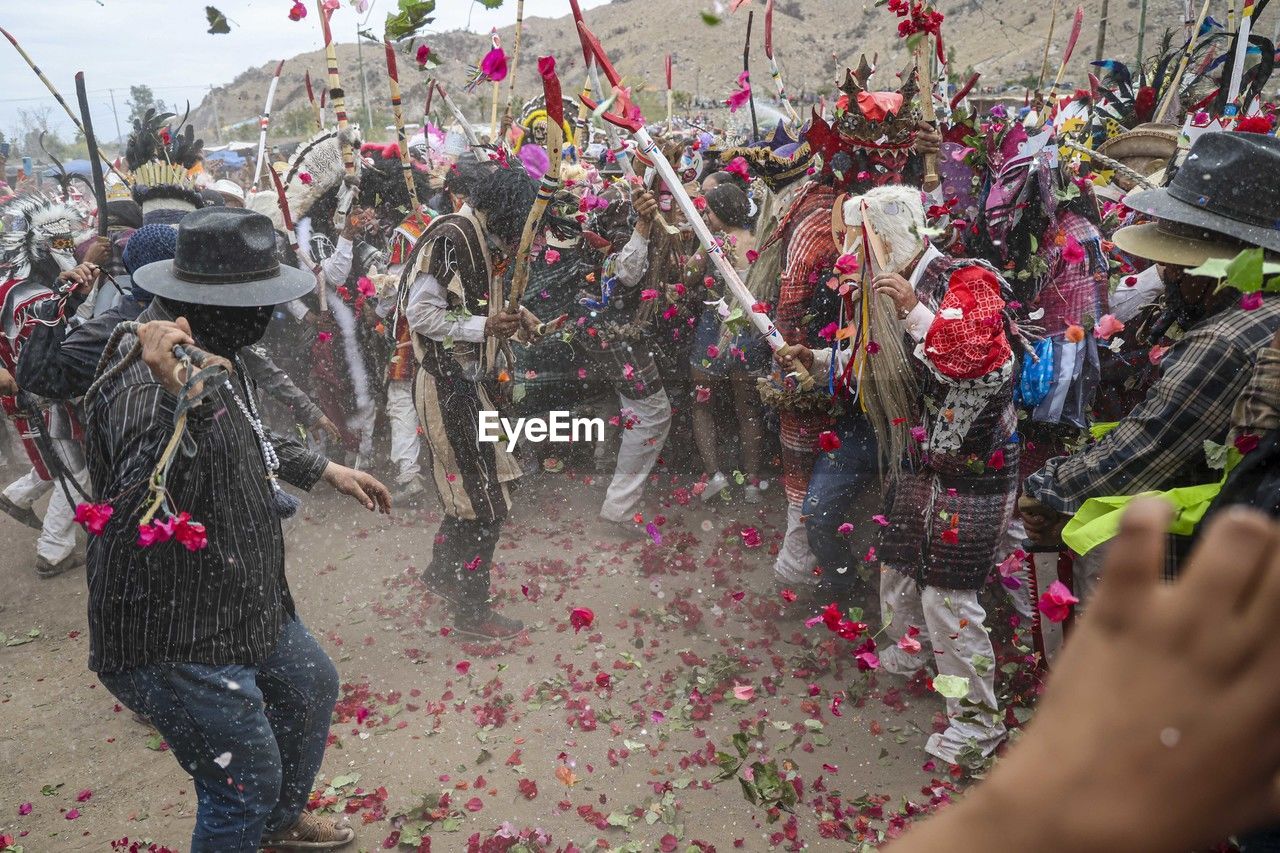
(1160, 444)
(220, 605)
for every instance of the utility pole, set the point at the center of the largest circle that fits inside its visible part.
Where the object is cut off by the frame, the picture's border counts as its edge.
(364, 89)
(1102, 31)
(116, 115)
(217, 120)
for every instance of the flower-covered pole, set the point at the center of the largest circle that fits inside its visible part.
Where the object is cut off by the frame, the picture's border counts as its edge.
(346, 195)
(397, 114)
(264, 121)
(547, 186)
(774, 71)
(627, 116)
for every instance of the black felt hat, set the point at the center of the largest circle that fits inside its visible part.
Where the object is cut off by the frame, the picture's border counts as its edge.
(1229, 186)
(226, 257)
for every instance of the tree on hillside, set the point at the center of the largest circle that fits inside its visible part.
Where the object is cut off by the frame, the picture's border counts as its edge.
(141, 99)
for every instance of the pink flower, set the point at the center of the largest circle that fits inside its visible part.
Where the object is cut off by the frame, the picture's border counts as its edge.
(743, 692)
(1108, 327)
(72, 814)
(154, 533)
(872, 348)
(700, 204)
(423, 53)
(752, 256)
(628, 372)
(847, 264)
(1246, 443)
(880, 520)
(190, 534)
(1072, 251)
(828, 332)
(24, 809)
(494, 65)
(997, 460)
(918, 434)
(1056, 602)
(701, 393)
(845, 529)
(1251, 301)
(1156, 355)
(83, 796)
(908, 643)
(324, 337)
(867, 661)
(305, 177)
(94, 517)
(551, 256)
(713, 351)
(738, 99)
(298, 12)
(648, 294)
(365, 285)
(828, 441)
(582, 373)
(463, 667)
(581, 617)
(750, 537)
(870, 556)
(1010, 568)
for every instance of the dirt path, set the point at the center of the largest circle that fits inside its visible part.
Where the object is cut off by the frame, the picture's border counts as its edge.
(605, 738)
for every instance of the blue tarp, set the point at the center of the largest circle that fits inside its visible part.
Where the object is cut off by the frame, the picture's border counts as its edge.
(73, 167)
(231, 158)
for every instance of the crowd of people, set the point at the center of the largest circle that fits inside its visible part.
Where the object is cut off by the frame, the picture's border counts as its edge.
(998, 329)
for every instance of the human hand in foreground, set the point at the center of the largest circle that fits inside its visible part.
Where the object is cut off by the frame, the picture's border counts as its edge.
(790, 355)
(8, 385)
(83, 276)
(326, 427)
(362, 486)
(1157, 729)
(159, 337)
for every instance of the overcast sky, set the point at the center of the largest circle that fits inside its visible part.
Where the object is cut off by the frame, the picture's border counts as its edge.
(164, 44)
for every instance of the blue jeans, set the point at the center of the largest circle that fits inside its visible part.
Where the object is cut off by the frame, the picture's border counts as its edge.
(839, 480)
(252, 737)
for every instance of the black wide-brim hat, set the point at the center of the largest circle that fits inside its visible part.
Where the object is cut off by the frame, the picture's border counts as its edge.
(225, 257)
(1228, 185)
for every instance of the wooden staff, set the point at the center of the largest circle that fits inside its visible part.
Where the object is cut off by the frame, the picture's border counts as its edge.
(57, 96)
(468, 131)
(426, 119)
(264, 121)
(1171, 92)
(670, 93)
(316, 115)
(1077, 24)
(1048, 43)
(515, 64)
(282, 201)
(338, 98)
(393, 79)
(746, 69)
(582, 127)
(546, 187)
(774, 71)
(924, 67)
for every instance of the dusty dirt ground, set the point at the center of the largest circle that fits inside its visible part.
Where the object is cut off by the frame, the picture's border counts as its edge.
(605, 738)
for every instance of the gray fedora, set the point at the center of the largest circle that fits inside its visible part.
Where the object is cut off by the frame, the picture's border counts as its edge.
(225, 257)
(1228, 185)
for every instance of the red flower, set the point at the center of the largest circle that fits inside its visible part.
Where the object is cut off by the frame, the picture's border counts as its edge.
(94, 517)
(423, 53)
(828, 442)
(750, 537)
(190, 534)
(1255, 124)
(581, 617)
(1246, 443)
(700, 203)
(1056, 602)
(298, 12)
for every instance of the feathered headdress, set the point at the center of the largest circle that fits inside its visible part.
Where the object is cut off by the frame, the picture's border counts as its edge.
(39, 230)
(314, 173)
(159, 161)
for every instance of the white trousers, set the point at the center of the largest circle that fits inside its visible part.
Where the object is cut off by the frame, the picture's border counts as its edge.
(406, 446)
(952, 628)
(641, 445)
(795, 561)
(58, 532)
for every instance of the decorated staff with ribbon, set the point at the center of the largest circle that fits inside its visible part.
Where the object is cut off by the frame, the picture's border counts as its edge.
(1077, 23)
(547, 186)
(347, 194)
(317, 116)
(627, 115)
(774, 71)
(264, 121)
(57, 96)
(393, 80)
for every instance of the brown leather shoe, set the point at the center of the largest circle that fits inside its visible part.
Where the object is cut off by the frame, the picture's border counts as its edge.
(311, 832)
(46, 569)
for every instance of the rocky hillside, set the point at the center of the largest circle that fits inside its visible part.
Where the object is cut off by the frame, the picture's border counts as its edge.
(815, 39)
